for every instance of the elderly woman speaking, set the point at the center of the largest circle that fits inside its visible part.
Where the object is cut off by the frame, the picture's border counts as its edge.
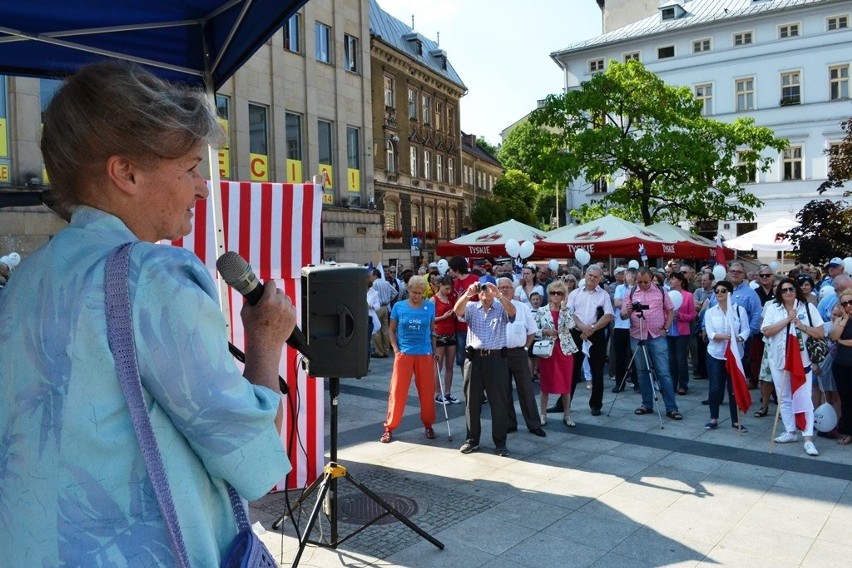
(123, 151)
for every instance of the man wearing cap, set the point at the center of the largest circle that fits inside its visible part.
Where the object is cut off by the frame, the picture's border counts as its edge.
(835, 269)
(485, 366)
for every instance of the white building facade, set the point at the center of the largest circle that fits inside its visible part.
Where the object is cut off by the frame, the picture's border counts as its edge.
(786, 63)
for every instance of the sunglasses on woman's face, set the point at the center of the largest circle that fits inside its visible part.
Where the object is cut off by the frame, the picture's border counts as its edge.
(846, 304)
(557, 293)
(786, 290)
(721, 291)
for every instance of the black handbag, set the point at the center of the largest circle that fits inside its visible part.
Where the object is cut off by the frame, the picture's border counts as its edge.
(817, 347)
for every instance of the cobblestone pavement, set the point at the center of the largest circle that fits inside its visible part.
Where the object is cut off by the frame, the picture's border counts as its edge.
(617, 490)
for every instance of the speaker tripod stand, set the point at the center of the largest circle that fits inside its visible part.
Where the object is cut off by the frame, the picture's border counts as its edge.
(642, 348)
(326, 489)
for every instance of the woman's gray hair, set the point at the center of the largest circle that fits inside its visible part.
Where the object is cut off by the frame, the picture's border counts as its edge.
(117, 108)
(417, 281)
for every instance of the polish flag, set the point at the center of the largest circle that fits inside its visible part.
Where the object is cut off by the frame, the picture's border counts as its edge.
(793, 363)
(720, 252)
(276, 228)
(734, 366)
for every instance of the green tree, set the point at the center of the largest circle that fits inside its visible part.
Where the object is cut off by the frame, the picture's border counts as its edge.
(528, 148)
(677, 163)
(486, 145)
(839, 162)
(823, 232)
(513, 197)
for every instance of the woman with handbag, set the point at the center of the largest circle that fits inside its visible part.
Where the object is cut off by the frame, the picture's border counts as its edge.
(788, 322)
(123, 150)
(841, 333)
(555, 322)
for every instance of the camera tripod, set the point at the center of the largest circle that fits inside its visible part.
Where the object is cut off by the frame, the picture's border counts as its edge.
(326, 488)
(642, 348)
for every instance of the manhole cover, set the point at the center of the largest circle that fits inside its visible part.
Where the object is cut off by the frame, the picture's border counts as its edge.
(360, 509)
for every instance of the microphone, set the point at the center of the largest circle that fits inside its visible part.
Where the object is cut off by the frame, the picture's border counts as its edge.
(238, 274)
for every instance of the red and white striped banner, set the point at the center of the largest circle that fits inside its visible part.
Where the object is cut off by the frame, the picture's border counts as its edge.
(276, 228)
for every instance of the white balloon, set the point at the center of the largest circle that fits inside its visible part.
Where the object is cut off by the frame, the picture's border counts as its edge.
(443, 264)
(633, 264)
(553, 264)
(581, 283)
(4, 259)
(14, 259)
(677, 298)
(527, 249)
(847, 265)
(513, 248)
(773, 265)
(825, 418)
(719, 272)
(753, 285)
(582, 256)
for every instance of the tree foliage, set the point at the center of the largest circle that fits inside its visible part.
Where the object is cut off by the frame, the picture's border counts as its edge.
(528, 148)
(626, 122)
(823, 231)
(513, 197)
(839, 162)
(486, 145)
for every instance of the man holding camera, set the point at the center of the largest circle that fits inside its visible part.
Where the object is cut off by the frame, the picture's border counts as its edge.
(651, 313)
(485, 367)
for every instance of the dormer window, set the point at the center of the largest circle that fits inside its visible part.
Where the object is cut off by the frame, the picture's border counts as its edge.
(441, 56)
(671, 11)
(416, 41)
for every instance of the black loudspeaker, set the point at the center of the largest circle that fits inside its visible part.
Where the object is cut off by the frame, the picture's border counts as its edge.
(334, 319)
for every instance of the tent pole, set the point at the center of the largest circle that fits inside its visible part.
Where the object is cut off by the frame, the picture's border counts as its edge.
(216, 203)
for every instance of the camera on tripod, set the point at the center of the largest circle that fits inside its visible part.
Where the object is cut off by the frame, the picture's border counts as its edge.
(639, 306)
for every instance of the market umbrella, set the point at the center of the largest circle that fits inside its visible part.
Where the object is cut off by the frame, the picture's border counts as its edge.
(491, 241)
(607, 236)
(689, 245)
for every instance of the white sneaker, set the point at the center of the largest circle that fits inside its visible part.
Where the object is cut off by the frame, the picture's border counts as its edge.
(786, 438)
(810, 449)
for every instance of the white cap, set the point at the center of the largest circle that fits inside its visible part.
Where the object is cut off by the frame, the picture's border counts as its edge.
(836, 261)
(619, 270)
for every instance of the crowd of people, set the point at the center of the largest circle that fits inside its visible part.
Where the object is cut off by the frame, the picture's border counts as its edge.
(485, 318)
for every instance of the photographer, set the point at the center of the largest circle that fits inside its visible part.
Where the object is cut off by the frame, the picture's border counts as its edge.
(651, 312)
(485, 367)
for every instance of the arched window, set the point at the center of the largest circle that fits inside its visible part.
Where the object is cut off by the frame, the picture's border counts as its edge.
(390, 151)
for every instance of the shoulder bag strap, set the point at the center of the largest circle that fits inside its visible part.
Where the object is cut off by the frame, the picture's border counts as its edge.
(123, 347)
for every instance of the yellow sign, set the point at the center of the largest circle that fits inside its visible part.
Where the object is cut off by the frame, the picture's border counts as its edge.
(4, 173)
(4, 146)
(224, 163)
(353, 180)
(259, 167)
(327, 173)
(294, 171)
(327, 199)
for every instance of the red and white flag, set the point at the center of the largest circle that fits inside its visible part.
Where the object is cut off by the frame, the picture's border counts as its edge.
(720, 252)
(793, 363)
(734, 366)
(276, 228)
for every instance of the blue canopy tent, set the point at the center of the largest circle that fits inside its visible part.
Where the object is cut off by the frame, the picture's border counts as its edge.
(200, 42)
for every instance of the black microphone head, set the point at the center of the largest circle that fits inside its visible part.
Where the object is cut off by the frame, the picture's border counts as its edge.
(236, 272)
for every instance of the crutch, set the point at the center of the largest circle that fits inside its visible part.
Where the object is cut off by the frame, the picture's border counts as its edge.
(443, 396)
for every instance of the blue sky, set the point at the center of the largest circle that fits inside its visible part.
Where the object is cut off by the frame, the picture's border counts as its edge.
(501, 49)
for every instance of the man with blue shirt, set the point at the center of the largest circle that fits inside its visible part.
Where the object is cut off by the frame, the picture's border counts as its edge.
(485, 367)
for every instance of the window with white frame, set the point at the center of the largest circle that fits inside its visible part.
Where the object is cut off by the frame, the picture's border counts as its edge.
(390, 156)
(837, 22)
(838, 82)
(452, 220)
(788, 30)
(427, 164)
(412, 103)
(390, 88)
(439, 113)
(350, 53)
(427, 218)
(793, 163)
(426, 109)
(412, 160)
(701, 45)
(323, 42)
(665, 52)
(748, 171)
(599, 186)
(631, 56)
(743, 38)
(440, 222)
(451, 170)
(439, 168)
(744, 89)
(704, 93)
(596, 65)
(791, 88)
(292, 34)
(391, 214)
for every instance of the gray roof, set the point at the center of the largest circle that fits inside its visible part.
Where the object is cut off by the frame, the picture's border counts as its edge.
(698, 12)
(392, 32)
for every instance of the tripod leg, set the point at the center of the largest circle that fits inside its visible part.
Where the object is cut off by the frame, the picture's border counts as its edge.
(302, 498)
(623, 381)
(312, 519)
(655, 385)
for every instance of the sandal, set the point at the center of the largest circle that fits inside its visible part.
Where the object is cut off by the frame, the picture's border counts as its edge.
(711, 426)
(674, 415)
(682, 390)
(386, 437)
(761, 413)
(642, 410)
(740, 428)
(845, 440)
